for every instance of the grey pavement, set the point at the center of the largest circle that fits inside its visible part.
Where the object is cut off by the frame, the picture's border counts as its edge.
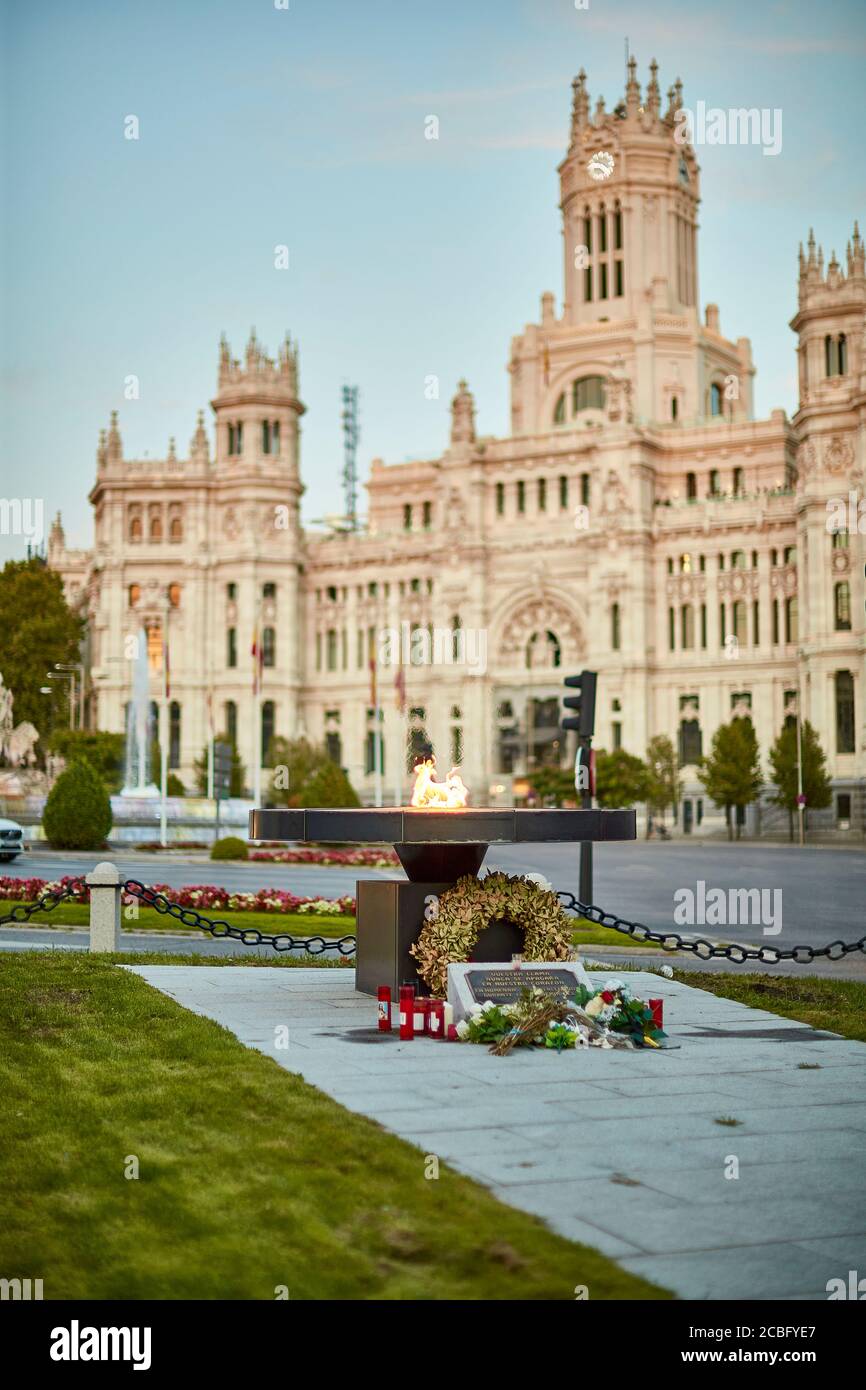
(619, 1150)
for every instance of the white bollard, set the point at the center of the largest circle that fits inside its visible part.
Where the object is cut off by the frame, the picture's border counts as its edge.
(104, 885)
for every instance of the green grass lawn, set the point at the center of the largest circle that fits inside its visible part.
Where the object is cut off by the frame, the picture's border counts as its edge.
(249, 1178)
(839, 1006)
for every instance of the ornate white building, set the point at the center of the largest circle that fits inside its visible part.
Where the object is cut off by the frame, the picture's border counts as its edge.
(638, 520)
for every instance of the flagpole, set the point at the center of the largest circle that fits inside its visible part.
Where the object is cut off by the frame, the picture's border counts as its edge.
(163, 743)
(257, 706)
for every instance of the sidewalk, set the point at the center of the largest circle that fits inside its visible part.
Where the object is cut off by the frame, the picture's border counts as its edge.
(617, 1149)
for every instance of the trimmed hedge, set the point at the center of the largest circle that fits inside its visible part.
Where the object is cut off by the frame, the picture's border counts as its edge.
(77, 813)
(229, 847)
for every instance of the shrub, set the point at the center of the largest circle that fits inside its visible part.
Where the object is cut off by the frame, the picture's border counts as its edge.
(229, 847)
(78, 812)
(329, 786)
(174, 786)
(105, 752)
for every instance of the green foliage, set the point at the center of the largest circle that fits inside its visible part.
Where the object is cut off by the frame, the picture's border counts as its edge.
(39, 629)
(329, 786)
(817, 787)
(78, 812)
(104, 752)
(174, 786)
(238, 770)
(230, 847)
(621, 779)
(664, 781)
(731, 774)
(556, 785)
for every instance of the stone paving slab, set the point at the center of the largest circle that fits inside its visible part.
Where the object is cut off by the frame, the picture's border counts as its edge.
(618, 1150)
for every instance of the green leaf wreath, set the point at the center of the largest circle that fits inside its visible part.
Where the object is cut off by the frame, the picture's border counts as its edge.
(452, 926)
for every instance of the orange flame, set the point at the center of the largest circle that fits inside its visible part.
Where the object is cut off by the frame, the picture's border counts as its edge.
(430, 795)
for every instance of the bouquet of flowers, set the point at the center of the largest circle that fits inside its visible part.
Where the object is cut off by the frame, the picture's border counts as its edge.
(608, 1017)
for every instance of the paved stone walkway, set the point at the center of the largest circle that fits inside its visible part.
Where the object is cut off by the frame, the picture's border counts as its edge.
(620, 1150)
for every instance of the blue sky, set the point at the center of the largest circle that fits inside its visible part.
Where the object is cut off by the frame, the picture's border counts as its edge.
(408, 257)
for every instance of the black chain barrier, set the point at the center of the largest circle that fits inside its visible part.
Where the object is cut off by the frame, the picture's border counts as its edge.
(250, 936)
(705, 950)
(47, 903)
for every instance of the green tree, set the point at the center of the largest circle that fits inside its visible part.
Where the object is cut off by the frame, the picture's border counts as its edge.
(295, 761)
(817, 787)
(39, 629)
(238, 770)
(621, 779)
(731, 775)
(105, 752)
(555, 784)
(329, 786)
(77, 813)
(664, 775)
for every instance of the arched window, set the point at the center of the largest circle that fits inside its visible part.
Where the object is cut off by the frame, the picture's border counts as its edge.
(134, 594)
(829, 356)
(174, 595)
(685, 563)
(691, 486)
(844, 682)
(587, 393)
(559, 411)
(715, 489)
(331, 649)
(500, 492)
(155, 526)
(715, 399)
(175, 529)
(675, 407)
(687, 627)
(615, 632)
(135, 527)
(269, 647)
(791, 625)
(843, 354)
(231, 722)
(842, 606)
(268, 723)
(457, 639)
(602, 228)
(739, 482)
(738, 559)
(266, 437)
(587, 229)
(690, 742)
(543, 651)
(231, 646)
(617, 226)
(174, 734)
(739, 613)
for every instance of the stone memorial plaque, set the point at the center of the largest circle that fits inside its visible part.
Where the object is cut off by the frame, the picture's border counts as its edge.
(502, 982)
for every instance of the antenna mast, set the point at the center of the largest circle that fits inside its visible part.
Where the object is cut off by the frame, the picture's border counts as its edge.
(351, 435)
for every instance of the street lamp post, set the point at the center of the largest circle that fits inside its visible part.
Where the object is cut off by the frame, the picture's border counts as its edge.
(66, 675)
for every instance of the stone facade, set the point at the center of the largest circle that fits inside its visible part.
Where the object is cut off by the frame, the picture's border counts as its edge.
(637, 520)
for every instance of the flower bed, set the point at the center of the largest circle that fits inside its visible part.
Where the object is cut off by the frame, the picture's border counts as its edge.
(203, 897)
(374, 858)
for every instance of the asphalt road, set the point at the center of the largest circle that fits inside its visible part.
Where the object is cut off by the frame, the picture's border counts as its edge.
(823, 890)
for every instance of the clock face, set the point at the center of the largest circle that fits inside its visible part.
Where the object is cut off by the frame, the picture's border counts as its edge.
(684, 170)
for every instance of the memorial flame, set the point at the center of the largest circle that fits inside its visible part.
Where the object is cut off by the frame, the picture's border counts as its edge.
(430, 795)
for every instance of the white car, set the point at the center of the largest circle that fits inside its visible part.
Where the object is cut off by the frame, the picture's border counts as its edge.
(11, 839)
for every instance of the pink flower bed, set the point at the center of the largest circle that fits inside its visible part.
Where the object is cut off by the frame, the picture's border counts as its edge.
(205, 897)
(384, 858)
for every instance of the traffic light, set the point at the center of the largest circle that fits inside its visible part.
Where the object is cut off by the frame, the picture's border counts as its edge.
(583, 703)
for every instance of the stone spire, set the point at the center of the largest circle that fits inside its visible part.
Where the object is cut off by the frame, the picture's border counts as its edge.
(114, 452)
(199, 449)
(101, 451)
(172, 452)
(254, 352)
(225, 358)
(632, 90)
(579, 106)
(653, 96)
(463, 416)
(856, 258)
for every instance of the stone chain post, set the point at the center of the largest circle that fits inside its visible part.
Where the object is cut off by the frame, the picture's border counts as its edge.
(104, 885)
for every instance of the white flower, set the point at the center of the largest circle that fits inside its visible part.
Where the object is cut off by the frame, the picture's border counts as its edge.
(595, 1006)
(539, 880)
(463, 1029)
(666, 971)
(613, 984)
(476, 1010)
(487, 1006)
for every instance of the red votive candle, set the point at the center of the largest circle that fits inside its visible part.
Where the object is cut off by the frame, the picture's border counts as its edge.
(657, 1009)
(407, 1012)
(437, 1018)
(384, 1008)
(422, 1024)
